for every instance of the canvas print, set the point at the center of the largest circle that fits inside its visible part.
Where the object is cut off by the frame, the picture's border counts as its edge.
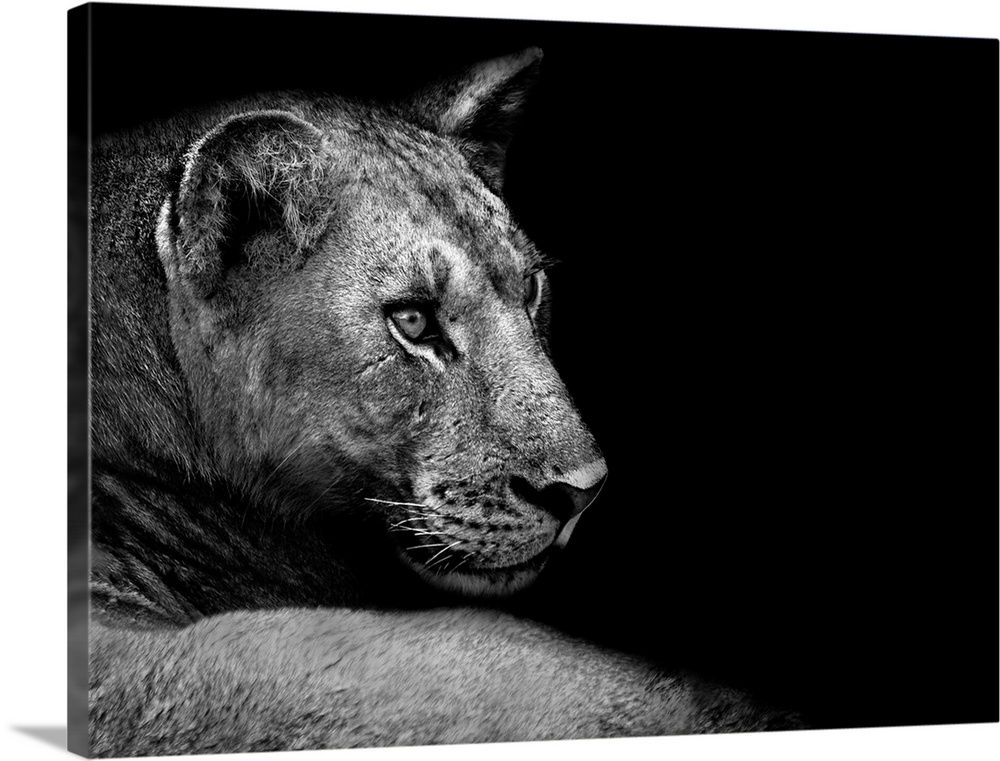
(472, 381)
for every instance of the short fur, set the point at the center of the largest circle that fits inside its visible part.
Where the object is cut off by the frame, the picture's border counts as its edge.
(272, 450)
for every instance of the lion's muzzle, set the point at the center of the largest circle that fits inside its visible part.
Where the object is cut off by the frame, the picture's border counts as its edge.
(567, 496)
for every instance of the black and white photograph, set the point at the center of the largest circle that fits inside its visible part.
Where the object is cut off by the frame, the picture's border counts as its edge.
(455, 380)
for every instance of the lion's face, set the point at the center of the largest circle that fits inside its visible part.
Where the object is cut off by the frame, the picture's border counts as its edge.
(375, 339)
(417, 338)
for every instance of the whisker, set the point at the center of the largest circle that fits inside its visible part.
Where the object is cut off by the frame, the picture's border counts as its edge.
(446, 566)
(391, 502)
(418, 532)
(405, 520)
(419, 546)
(431, 561)
(439, 563)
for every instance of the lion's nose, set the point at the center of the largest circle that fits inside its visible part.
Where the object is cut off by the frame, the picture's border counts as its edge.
(581, 485)
(567, 494)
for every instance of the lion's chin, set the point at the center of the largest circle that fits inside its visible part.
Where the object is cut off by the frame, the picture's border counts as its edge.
(481, 582)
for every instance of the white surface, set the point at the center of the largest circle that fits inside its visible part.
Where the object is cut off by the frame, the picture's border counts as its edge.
(33, 282)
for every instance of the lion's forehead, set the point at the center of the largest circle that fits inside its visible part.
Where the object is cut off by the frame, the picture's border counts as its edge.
(434, 222)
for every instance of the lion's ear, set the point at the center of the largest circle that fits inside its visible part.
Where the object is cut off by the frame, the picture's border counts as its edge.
(255, 191)
(479, 108)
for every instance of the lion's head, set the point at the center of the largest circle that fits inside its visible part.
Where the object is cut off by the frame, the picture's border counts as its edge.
(362, 323)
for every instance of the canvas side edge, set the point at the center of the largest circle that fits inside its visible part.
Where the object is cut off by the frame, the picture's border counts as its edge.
(78, 311)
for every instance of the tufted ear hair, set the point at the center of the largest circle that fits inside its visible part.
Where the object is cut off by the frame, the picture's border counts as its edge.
(479, 108)
(256, 192)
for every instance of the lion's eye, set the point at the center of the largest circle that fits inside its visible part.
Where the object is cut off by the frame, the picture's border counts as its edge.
(411, 321)
(532, 290)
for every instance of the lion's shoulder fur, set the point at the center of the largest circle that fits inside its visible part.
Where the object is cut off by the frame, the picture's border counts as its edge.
(313, 679)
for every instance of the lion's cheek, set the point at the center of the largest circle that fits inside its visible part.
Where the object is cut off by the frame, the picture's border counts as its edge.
(376, 417)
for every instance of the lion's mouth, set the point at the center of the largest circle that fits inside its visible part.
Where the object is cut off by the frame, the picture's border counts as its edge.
(497, 581)
(443, 563)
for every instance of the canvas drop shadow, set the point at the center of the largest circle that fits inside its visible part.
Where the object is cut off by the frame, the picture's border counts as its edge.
(48, 734)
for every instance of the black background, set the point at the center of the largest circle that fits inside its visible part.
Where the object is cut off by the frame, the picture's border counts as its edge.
(771, 311)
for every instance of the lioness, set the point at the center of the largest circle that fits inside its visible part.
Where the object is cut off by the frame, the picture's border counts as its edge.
(321, 390)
